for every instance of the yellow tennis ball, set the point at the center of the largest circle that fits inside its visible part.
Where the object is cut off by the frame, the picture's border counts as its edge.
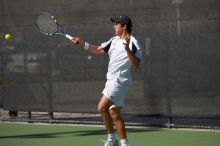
(7, 36)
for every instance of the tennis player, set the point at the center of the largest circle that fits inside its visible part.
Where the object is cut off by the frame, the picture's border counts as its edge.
(124, 53)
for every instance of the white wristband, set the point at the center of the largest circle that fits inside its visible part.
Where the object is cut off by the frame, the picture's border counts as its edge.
(86, 46)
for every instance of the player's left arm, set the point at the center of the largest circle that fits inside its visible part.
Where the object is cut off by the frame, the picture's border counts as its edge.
(135, 61)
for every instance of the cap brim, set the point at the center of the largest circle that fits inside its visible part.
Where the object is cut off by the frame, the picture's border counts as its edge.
(114, 19)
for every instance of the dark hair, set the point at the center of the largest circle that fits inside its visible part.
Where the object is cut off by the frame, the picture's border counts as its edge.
(129, 29)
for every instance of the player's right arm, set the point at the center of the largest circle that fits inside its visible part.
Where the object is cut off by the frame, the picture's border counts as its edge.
(95, 49)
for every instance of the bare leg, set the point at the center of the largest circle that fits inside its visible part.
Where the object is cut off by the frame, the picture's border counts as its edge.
(103, 108)
(119, 123)
(112, 116)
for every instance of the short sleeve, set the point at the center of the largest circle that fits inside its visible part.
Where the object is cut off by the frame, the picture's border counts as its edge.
(106, 45)
(136, 49)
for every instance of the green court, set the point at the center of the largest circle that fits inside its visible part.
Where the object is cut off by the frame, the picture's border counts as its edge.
(15, 134)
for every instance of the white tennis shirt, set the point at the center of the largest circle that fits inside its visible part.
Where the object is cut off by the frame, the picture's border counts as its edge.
(119, 64)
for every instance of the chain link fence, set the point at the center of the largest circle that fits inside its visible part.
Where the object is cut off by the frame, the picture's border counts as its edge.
(48, 79)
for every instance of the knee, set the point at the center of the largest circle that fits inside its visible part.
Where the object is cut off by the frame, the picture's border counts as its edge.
(101, 109)
(103, 105)
(115, 115)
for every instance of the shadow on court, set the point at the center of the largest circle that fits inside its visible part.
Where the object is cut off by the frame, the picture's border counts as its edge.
(73, 133)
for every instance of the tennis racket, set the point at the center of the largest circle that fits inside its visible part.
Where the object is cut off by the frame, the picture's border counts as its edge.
(48, 25)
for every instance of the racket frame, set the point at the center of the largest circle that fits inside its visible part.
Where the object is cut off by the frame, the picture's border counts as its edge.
(58, 27)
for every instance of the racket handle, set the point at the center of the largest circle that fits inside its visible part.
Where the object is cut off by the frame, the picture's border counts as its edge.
(68, 36)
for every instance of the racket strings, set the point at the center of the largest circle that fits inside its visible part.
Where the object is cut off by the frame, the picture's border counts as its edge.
(46, 24)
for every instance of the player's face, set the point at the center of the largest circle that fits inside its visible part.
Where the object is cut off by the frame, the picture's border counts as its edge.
(118, 29)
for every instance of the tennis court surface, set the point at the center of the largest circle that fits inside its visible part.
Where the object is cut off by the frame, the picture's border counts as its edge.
(17, 134)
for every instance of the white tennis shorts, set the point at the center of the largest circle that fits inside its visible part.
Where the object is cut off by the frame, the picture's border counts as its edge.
(115, 91)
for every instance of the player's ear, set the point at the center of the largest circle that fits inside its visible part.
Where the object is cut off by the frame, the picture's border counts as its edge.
(125, 27)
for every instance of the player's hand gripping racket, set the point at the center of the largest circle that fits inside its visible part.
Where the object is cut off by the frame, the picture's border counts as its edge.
(48, 25)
